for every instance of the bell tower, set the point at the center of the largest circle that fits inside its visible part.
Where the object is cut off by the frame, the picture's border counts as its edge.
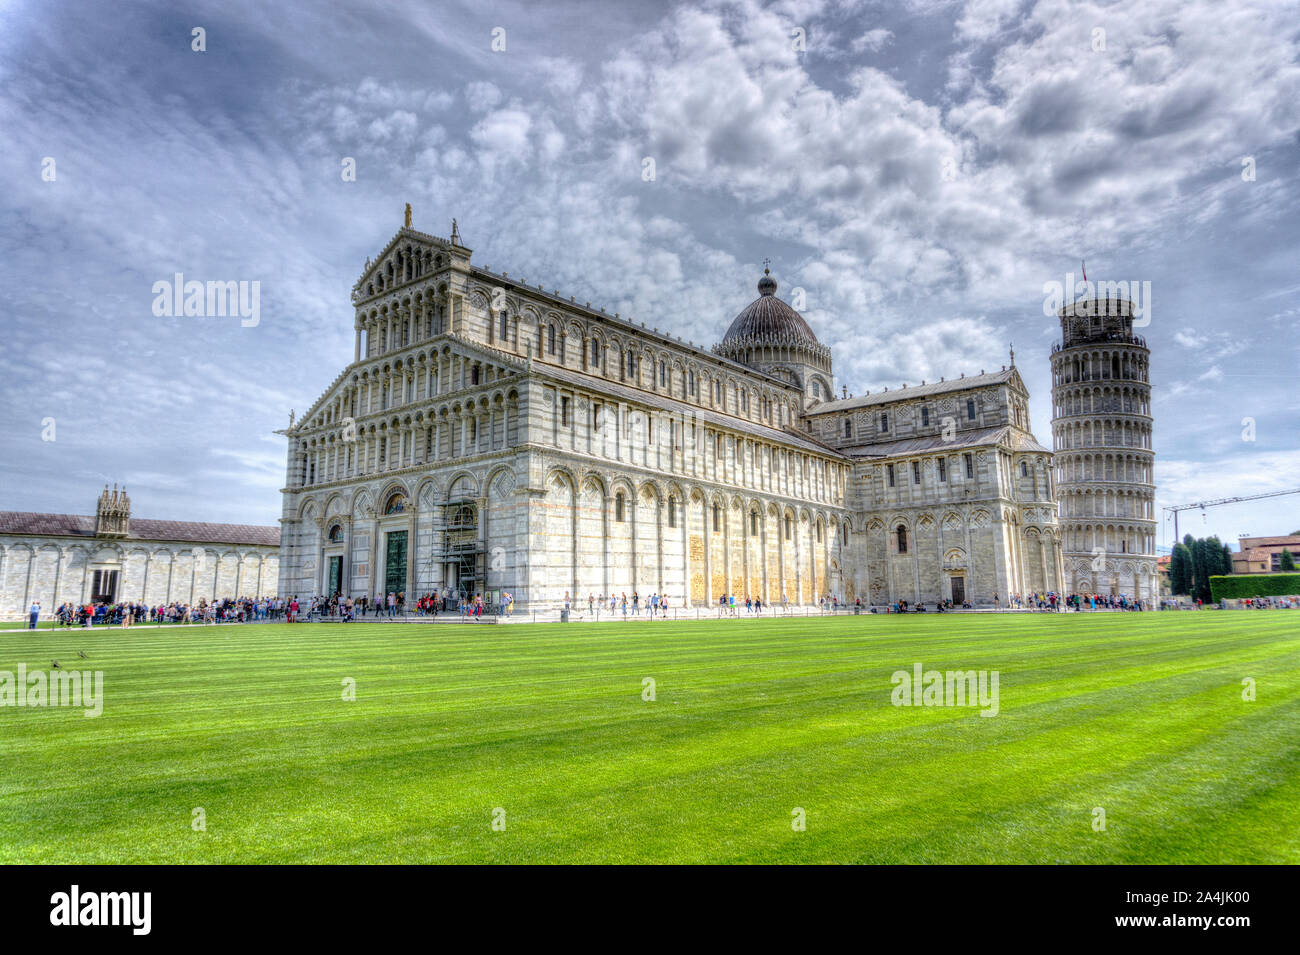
(1104, 456)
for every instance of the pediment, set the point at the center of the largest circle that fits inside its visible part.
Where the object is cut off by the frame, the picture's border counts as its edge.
(408, 256)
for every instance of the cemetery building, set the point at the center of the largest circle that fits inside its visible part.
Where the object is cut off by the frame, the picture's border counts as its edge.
(111, 557)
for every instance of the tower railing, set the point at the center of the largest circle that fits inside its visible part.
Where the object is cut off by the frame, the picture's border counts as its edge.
(1109, 339)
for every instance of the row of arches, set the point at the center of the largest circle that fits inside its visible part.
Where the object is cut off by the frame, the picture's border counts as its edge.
(613, 533)
(396, 382)
(690, 446)
(1093, 400)
(693, 543)
(403, 321)
(1101, 363)
(405, 263)
(1109, 538)
(1078, 503)
(1101, 433)
(1107, 575)
(54, 573)
(477, 424)
(1073, 467)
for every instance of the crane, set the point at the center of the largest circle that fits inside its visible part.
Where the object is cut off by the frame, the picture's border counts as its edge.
(1175, 508)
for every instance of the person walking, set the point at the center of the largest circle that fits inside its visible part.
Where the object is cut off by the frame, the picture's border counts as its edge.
(33, 614)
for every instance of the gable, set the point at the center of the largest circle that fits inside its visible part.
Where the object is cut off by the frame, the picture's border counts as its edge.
(409, 255)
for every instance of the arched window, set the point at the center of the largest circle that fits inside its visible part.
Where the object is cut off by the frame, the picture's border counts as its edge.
(505, 327)
(925, 417)
(672, 512)
(550, 339)
(396, 504)
(788, 523)
(819, 532)
(716, 518)
(753, 523)
(462, 516)
(618, 506)
(884, 422)
(336, 533)
(848, 428)
(902, 539)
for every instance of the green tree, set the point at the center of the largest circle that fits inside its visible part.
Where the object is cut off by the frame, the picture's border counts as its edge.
(1287, 562)
(1194, 562)
(1180, 566)
(1201, 570)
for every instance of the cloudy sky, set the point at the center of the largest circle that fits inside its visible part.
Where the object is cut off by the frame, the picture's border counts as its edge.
(920, 168)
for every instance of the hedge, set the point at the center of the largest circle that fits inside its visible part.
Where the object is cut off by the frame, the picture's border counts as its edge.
(1240, 586)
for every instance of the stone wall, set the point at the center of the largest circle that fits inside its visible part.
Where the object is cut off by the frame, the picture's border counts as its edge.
(55, 569)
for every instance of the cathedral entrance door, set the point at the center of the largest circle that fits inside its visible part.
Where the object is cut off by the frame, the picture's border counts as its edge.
(958, 589)
(395, 563)
(335, 576)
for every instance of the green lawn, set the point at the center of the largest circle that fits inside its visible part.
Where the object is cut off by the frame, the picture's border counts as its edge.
(1139, 714)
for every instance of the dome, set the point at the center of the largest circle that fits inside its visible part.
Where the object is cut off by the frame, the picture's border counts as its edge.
(768, 318)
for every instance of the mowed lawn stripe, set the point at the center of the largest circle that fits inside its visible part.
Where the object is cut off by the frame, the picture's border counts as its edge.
(752, 718)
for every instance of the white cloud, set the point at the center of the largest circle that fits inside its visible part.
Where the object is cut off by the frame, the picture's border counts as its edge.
(482, 96)
(836, 168)
(873, 40)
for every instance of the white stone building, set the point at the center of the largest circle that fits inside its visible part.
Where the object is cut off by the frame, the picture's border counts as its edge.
(492, 435)
(113, 557)
(1104, 456)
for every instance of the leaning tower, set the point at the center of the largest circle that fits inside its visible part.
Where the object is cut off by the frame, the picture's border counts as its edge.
(1101, 433)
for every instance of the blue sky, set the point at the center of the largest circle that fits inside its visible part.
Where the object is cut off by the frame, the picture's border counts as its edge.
(920, 169)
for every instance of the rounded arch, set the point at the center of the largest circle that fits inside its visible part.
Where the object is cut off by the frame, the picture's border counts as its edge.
(462, 484)
(501, 482)
(650, 488)
(563, 475)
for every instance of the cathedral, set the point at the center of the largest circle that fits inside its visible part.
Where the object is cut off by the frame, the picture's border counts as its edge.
(493, 436)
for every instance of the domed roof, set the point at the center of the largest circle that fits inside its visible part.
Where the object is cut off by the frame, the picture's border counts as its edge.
(769, 318)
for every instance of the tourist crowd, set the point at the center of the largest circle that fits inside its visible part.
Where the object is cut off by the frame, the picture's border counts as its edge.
(229, 609)
(656, 605)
